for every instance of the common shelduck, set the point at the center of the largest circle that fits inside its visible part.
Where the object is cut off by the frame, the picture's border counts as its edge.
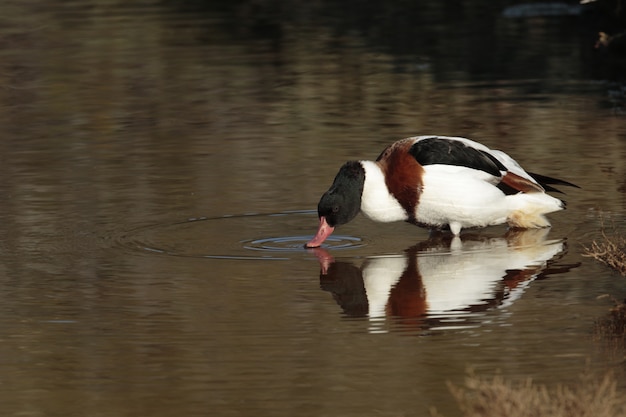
(438, 182)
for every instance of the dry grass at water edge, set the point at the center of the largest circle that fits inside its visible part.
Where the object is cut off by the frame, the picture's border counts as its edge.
(611, 251)
(496, 397)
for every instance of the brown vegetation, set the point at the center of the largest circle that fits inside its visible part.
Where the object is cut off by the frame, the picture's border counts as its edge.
(491, 397)
(610, 251)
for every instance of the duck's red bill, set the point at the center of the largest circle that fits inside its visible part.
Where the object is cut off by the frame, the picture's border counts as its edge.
(323, 231)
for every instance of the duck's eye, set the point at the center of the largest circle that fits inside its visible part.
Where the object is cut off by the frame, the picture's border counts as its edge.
(335, 209)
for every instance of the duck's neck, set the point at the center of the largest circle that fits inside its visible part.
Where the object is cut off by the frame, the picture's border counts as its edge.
(376, 201)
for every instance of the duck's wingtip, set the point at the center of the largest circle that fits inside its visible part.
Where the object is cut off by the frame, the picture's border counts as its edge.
(545, 182)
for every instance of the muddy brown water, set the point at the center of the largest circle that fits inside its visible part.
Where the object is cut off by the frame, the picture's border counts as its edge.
(161, 164)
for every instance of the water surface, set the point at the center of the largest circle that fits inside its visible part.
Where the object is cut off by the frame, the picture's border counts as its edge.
(161, 167)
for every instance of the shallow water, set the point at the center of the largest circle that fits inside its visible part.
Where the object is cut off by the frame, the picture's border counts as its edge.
(161, 167)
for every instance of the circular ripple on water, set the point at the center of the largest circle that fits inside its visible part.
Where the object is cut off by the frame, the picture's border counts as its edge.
(232, 237)
(296, 243)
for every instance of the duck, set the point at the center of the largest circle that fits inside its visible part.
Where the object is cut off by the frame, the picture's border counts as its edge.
(440, 183)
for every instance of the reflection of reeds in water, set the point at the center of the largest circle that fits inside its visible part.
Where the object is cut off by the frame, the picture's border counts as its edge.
(491, 397)
(611, 330)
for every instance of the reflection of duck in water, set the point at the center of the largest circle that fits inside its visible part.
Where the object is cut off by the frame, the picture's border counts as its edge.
(438, 182)
(442, 278)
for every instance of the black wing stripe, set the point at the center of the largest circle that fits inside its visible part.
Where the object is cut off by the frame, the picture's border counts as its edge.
(436, 150)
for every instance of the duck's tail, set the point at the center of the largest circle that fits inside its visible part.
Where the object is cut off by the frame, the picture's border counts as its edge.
(528, 209)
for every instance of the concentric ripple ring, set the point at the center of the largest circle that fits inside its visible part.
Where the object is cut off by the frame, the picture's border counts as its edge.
(232, 237)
